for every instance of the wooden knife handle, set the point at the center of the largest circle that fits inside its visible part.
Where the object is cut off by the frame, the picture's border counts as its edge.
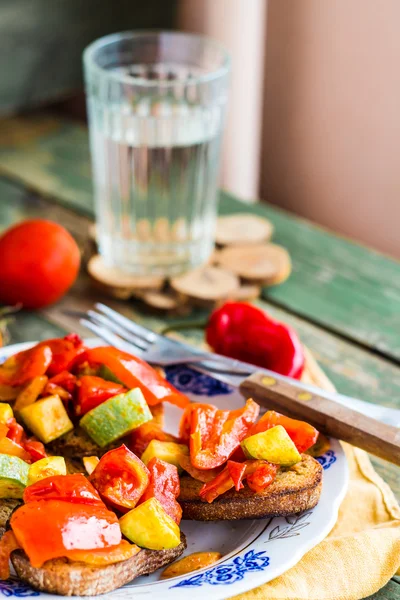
(327, 416)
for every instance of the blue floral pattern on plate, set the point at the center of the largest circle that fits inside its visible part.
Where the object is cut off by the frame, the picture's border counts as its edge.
(229, 572)
(191, 382)
(15, 587)
(327, 459)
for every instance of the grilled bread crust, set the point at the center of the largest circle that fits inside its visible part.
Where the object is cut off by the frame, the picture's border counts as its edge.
(294, 490)
(79, 579)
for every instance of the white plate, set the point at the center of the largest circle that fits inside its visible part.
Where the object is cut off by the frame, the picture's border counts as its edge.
(253, 552)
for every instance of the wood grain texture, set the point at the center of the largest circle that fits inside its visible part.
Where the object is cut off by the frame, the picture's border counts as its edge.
(41, 42)
(337, 284)
(352, 369)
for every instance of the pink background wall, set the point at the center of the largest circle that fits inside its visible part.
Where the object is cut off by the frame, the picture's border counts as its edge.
(331, 139)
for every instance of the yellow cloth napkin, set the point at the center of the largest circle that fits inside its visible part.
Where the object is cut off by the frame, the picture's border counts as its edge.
(361, 553)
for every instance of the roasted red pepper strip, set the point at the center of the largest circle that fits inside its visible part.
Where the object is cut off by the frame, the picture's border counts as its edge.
(186, 419)
(50, 529)
(20, 368)
(66, 380)
(301, 433)
(204, 476)
(260, 472)
(15, 431)
(240, 330)
(164, 486)
(120, 478)
(215, 434)
(66, 352)
(93, 391)
(134, 372)
(74, 489)
(35, 449)
(142, 436)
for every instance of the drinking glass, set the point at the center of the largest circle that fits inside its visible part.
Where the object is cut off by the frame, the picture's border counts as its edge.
(156, 104)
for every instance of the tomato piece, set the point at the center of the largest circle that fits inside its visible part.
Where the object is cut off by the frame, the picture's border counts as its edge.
(142, 436)
(75, 489)
(217, 486)
(35, 449)
(50, 529)
(8, 544)
(66, 380)
(301, 433)
(65, 353)
(120, 478)
(164, 486)
(262, 476)
(15, 431)
(105, 556)
(93, 391)
(204, 476)
(134, 372)
(20, 368)
(258, 473)
(215, 434)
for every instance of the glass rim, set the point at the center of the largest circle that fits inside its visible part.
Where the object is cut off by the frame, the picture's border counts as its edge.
(90, 63)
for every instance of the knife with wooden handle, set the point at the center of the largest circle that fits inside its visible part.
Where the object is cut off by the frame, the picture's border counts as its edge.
(327, 416)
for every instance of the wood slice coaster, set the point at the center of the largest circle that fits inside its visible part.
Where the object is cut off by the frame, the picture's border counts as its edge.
(243, 229)
(246, 292)
(206, 285)
(119, 280)
(265, 264)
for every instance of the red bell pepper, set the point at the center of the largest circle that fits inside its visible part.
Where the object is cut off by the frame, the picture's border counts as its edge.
(215, 434)
(258, 473)
(35, 449)
(204, 476)
(240, 330)
(142, 436)
(66, 352)
(15, 431)
(164, 486)
(120, 478)
(93, 391)
(75, 489)
(301, 433)
(66, 380)
(50, 529)
(8, 544)
(23, 366)
(133, 372)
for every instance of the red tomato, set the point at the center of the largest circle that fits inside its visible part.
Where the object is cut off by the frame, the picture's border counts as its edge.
(35, 449)
(95, 390)
(47, 530)
(70, 488)
(120, 478)
(39, 263)
(164, 486)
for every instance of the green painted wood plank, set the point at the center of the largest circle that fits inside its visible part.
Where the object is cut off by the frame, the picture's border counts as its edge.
(391, 591)
(352, 369)
(41, 42)
(335, 283)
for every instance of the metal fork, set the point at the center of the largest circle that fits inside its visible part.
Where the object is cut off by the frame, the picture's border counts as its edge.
(157, 349)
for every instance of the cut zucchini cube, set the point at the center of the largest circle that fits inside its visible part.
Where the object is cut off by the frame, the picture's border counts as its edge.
(273, 445)
(6, 413)
(13, 476)
(149, 526)
(116, 417)
(47, 418)
(170, 452)
(46, 467)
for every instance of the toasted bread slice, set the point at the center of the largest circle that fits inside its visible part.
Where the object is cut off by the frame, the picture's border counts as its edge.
(79, 579)
(294, 490)
(7, 505)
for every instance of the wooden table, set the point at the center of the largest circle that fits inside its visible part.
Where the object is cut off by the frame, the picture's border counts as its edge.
(343, 298)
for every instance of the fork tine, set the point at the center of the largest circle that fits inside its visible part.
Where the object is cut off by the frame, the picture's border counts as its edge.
(108, 336)
(121, 331)
(145, 334)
